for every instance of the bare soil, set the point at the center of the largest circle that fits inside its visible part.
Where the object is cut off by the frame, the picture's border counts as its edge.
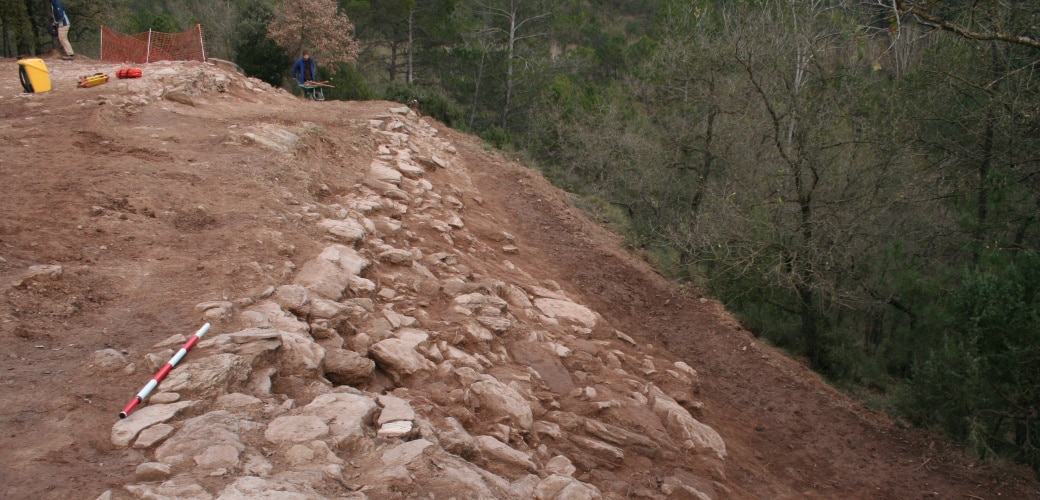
(151, 209)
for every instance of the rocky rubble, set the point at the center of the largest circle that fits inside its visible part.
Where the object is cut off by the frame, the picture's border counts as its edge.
(412, 358)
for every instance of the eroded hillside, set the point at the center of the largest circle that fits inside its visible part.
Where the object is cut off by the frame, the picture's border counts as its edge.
(397, 312)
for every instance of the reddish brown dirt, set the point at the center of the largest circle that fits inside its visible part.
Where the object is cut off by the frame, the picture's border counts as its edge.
(149, 212)
(789, 434)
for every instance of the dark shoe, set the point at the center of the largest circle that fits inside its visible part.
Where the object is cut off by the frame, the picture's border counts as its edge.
(68, 58)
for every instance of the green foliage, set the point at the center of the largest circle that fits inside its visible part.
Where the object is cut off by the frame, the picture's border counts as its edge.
(573, 98)
(429, 102)
(16, 26)
(609, 50)
(23, 25)
(496, 137)
(639, 51)
(385, 21)
(980, 382)
(608, 214)
(142, 21)
(348, 84)
(945, 385)
(258, 55)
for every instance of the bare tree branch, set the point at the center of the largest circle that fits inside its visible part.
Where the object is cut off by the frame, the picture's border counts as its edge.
(927, 18)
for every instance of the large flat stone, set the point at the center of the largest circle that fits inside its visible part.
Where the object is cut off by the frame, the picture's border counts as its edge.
(300, 355)
(346, 258)
(563, 487)
(394, 409)
(346, 414)
(202, 432)
(180, 488)
(398, 357)
(688, 431)
(567, 310)
(125, 430)
(345, 367)
(502, 400)
(323, 278)
(153, 435)
(404, 453)
(503, 453)
(208, 376)
(347, 230)
(296, 429)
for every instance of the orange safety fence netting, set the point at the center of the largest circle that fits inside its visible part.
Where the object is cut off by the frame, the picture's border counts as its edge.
(152, 46)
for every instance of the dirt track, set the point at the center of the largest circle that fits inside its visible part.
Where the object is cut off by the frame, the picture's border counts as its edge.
(149, 209)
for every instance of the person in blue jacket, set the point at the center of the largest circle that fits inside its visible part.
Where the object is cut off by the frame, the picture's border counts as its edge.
(305, 70)
(61, 21)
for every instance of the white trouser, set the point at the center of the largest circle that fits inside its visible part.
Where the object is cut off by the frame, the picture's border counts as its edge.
(63, 37)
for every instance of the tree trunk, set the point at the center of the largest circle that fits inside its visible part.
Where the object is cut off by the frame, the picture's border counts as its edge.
(411, 59)
(875, 329)
(809, 329)
(476, 88)
(982, 192)
(392, 65)
(708, 158)
(509, 70)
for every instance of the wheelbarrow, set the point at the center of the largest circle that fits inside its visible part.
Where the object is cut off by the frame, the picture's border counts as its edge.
(314, 90)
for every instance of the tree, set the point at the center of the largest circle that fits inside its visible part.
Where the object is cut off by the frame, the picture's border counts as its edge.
(479, 46)
(22, 22)
(88, 15)
(218, 18)
(979, 382)
(970, 20)
(435, 31)
(987, 126)
(511, 21)
(768, 168)
(257, 54)
(384, 25)
(681, 89)
(16, 28)
(316, 26)
(142, 21)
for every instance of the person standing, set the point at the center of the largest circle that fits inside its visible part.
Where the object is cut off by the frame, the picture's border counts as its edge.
(61, 20)
(305, 70)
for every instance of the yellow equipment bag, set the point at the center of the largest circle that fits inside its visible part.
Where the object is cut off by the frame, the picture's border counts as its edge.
(92, 80)
(34, 75)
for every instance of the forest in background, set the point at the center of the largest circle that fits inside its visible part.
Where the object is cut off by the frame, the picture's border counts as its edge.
(858, 180)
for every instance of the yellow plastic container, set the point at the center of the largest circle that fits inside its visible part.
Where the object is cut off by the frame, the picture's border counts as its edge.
(34, 75)
(92, 80)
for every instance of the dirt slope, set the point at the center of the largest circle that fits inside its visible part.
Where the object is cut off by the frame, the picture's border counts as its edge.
(149, 210)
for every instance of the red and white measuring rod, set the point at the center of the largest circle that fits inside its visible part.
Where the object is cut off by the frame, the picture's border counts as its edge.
(161, 374)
